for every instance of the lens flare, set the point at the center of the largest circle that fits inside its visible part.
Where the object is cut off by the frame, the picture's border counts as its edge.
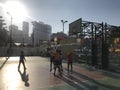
(17, 10)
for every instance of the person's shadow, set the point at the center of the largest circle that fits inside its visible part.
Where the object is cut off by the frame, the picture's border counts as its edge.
(24, 77)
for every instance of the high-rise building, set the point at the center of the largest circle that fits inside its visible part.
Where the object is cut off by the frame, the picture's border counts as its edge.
(16, 35)
(41, 32)
(25, 31)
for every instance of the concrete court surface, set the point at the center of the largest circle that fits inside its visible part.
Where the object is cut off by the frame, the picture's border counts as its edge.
(37, 76)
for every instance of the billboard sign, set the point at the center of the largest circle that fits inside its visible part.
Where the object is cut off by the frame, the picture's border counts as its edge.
(75, 27)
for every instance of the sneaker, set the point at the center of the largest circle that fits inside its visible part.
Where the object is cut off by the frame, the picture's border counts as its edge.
(54, 74)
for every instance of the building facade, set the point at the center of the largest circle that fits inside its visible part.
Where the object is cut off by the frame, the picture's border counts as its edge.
(41, 32)
(25, 32)
(17, 35)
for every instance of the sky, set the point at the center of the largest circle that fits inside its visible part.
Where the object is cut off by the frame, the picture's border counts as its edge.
(53, 11)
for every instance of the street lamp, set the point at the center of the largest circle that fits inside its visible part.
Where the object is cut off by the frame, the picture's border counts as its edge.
(63, 22)
(33, 35)
(10, 29)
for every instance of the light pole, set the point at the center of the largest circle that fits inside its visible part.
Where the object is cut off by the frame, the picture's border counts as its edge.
(33, 35)
(10, 29)
(63, 22)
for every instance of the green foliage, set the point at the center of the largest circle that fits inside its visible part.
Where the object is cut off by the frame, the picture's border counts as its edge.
(4, 38)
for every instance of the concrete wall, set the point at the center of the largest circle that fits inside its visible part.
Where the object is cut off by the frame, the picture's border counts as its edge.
(29, 51)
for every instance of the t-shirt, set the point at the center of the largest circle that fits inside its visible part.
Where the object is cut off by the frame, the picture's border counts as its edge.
(57, 56)
(22, 57)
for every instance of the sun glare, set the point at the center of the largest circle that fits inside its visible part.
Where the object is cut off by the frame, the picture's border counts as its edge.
(1, 5)
(17, 10)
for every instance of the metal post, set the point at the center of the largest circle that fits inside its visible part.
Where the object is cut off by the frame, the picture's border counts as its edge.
(11, 34)
(33, 38)
(62, 25)
(104, 60)
(92, 46)
(63, 22)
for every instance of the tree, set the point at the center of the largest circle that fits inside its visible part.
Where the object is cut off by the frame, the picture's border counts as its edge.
(4, 37)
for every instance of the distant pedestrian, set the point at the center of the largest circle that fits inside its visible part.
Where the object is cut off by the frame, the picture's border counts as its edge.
(61, 59)
(22, 59)
(57, 62)
(70, 62)
(8, 53)
(51, 59)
